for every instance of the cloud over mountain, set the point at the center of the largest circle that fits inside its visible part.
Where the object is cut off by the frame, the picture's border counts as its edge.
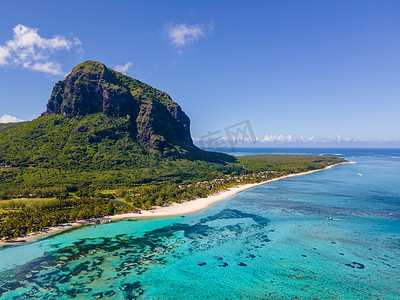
(9, 119)
(123, 68)
(31, 51)
(181, 35)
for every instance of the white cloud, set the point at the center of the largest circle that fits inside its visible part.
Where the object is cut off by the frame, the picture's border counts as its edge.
(9, 119)
(31, 51)
(77, 41)
(182, 34)
(4, 54)
(48, 67)
(274, 138)
(123, 68)
(271, 138)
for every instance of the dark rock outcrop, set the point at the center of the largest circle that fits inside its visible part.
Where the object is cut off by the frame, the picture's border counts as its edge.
(91, 88)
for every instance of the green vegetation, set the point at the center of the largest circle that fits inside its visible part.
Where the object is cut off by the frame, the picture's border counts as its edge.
(46, 214)
(81, 194)
(6, 126)
(93, 142)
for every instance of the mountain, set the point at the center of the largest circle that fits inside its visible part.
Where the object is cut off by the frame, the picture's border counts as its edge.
(99, 118)
(91, 88)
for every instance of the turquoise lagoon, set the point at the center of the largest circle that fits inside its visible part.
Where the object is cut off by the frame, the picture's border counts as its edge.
(270, 242)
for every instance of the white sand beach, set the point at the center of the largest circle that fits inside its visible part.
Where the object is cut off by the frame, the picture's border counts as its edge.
(176, 209)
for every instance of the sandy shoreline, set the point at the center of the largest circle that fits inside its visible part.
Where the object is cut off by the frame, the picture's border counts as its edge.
(176, 209)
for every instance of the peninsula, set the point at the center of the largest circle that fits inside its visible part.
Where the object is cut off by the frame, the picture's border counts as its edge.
(109, 144)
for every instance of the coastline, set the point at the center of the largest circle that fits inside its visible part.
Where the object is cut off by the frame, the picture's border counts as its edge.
(175, 209)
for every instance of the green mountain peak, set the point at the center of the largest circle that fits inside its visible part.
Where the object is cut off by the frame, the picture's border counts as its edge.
(92, 88)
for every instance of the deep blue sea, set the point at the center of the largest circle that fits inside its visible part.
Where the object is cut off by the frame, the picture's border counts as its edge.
(270, 242)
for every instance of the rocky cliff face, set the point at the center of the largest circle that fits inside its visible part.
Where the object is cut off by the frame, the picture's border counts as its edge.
(91, 88)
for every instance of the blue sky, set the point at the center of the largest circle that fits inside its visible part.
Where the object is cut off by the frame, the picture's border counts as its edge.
(300, 72)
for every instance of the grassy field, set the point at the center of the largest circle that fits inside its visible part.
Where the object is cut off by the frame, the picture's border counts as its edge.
(27, 202)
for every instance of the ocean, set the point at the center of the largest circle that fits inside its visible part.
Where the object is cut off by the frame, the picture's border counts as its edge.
(327, 235)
